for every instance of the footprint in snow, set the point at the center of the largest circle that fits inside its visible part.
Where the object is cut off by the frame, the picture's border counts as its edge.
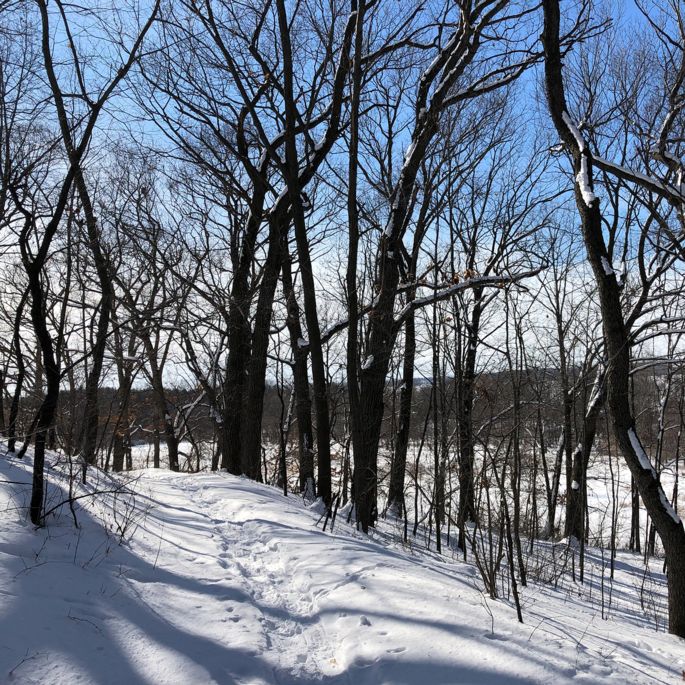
(363, 621)
(601, 669)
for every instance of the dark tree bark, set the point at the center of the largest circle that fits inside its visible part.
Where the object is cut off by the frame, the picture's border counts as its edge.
(121, 439)
(75, 154)
(576, 494)
(91, 416)
(303, 403)
(399, 462)
(239, 333)
(21, 374)
(436, 91)
(292, 175)
(616, 335)
(253, 402)
(465, 399)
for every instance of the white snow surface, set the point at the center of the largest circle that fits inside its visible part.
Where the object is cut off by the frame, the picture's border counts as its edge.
(222, 580)
(642, 457)
(583, 179)
(669, 510)
(608, 269)
(575, 131)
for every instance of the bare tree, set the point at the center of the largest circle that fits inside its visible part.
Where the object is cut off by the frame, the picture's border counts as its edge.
(616, 328)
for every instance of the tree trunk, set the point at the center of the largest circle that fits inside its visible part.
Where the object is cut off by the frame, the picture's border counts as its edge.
(323, 431)
(303, 403)
(155, 448)
(91, 416)
(238, 342)
(616, 336)
(581, 455)
(399, 463)
(253, 404)
(21, 374)
(465, 398)
(48, 407)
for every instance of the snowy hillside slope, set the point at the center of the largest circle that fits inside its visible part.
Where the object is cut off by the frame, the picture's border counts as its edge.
(222, 580)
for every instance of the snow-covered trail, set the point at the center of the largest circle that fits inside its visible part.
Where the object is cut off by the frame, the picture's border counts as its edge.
(226, 581)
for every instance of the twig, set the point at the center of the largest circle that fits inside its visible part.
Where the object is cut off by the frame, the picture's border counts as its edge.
(161, 538)
(26, 658)
(85, 620)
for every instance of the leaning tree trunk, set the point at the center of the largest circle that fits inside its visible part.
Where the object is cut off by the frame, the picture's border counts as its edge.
(616, 336)
(437, 82)
(552, 489)
(399, 463)
(292, 172)
(382, 333)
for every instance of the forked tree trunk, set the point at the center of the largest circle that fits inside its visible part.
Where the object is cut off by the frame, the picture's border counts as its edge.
(238, 339)
(91, 416)
(253, 403)
(292, 173)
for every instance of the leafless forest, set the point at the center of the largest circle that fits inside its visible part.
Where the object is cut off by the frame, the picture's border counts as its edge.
(422, 260)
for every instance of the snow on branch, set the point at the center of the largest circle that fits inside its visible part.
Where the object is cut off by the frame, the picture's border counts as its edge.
(646, 464)
(583, 180)
(653, 185)
(497, 281)
(640, 453)
(583, 175)
(575, 131)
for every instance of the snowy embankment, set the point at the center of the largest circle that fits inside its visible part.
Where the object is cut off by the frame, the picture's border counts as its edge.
(221, 580)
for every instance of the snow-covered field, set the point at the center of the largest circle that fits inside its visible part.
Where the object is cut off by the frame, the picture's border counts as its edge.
(209, 578)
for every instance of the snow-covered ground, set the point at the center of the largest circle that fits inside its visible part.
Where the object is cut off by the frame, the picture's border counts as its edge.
(209, 578)
(599, 484)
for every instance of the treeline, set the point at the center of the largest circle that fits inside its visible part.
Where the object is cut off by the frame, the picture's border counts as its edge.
(539, 390)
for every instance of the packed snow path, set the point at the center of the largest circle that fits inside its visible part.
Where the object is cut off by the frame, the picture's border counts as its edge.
(226, 581)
